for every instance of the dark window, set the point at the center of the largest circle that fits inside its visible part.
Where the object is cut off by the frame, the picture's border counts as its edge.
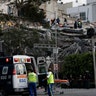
(5, 70)
(9, 10)
(20, 69)
(83, 15)
(42, 69)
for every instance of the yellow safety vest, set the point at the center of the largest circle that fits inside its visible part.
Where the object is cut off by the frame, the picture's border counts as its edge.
(32, 77)
(50, 79)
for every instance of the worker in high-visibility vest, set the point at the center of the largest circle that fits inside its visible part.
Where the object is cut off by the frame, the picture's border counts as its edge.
(32, 80)
(50, 82)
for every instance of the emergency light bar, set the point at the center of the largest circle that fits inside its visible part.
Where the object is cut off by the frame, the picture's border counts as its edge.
(22, 60)
(16, 60)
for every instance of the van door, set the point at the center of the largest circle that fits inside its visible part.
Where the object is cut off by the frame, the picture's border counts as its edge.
(20, 76)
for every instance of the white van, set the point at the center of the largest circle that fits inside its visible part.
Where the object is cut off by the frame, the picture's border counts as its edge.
(13, 74)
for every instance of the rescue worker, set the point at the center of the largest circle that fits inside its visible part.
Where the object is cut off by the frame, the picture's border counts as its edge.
(50, 82)
(32, 80)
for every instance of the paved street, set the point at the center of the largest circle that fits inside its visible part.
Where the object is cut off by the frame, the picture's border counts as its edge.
(70, 92)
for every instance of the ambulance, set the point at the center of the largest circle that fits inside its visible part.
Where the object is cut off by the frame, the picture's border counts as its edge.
(13, 74)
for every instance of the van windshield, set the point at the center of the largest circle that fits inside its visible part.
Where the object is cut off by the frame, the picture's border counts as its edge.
(20, 69)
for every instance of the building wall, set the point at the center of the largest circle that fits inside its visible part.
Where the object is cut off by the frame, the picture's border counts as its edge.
(54, 9)
(62, 11)
(4, 8)
(90, 1)
(89, 14)
(75, 3)
(94, 13)
(88, 9)
(63, 7)
(78, 3)
(51, 9)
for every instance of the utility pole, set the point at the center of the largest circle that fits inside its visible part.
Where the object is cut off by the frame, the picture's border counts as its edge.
(94, 57)
(55, 50)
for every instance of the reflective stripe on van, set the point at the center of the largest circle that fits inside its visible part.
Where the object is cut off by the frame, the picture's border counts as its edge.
(22, 76)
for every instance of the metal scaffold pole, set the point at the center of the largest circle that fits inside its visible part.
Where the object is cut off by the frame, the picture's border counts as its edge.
(55, 52)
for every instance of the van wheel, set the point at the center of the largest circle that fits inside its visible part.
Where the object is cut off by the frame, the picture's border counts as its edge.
(3, 93)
